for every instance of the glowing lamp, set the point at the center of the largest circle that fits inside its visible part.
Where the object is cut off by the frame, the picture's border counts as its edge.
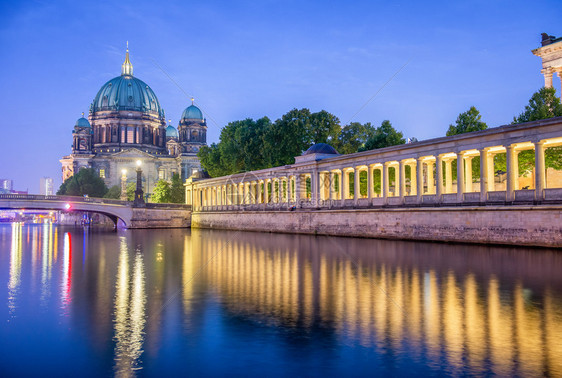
(67, 206)
(123, 172)
(139, 163)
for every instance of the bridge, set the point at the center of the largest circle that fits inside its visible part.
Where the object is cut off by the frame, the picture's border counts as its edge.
(150, 216)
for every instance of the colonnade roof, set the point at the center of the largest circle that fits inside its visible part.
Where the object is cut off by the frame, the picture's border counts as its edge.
(522, 135)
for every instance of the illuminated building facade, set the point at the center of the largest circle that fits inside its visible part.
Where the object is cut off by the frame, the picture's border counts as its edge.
(126, 123)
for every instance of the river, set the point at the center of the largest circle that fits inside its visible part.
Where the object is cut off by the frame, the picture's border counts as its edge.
(83, 302)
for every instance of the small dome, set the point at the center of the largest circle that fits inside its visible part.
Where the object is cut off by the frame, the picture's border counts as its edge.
(200, 174)
(82, 122)
(171, 132)
(321, 148)
(192, 112)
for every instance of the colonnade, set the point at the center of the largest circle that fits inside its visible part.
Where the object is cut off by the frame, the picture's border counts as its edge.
(421, 173)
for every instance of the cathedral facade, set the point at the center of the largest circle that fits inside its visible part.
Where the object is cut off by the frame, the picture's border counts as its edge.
(126, 124)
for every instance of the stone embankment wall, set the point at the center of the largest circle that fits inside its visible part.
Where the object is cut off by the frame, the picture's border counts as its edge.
(515, 225)
(158, 218)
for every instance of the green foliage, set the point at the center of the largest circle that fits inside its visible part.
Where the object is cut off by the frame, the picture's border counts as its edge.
(353, 137)
(114, 192)
(542, 105)
(385, 136)
(85, 182)
(251, 145)
(131, 187)
(467, 122)
(177, 191)
(162, 192)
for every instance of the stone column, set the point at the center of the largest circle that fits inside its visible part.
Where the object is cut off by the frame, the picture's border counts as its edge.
(484, 176)
(332, 186)
(547, 72)
(385, 181)
(460, 177)
(468, 174)
(344, 184)
(430, 181)
(439, 174)
(413, 180)
(401, 179)
(448, 176)
(298, 189)
(540, 179)
(289, 189)
(315, 188)
(419, 174)
(356, 185)
(512, 172)
(491, 173)
(369, 183)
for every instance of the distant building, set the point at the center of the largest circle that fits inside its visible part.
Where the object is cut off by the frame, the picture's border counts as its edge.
(126, 124)
(7, 185)
(46, 186)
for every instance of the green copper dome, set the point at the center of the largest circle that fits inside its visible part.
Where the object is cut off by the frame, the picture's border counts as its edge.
(171, 132)
(82, 122)
(126, 92)
(192, 112)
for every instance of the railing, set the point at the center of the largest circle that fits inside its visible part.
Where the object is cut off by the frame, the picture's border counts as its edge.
(101, 201)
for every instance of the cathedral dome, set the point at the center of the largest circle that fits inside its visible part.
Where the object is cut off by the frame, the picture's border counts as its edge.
(192, 112)
(171, 132)
(126, 92)
(82, 122)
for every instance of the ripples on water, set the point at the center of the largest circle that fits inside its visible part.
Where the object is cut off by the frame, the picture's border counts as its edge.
(177, 302)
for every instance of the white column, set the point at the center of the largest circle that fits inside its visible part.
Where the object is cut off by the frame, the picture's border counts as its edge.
(401, 180)
(315, 187)
(356, 184)
(540, 179)
(369, 183)
(484, 154)
(385, 180)
(547, 72)
(345, 184)
(468, 174)
(460, 177)
(448, 176)
(430, 181)
(439, 174)
(419, 174)
(289, 189)
(413, 180)
(512, 172)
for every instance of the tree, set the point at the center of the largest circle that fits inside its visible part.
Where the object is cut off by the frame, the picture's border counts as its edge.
(161, 192)
(131, 188)
(85, 182)
(385, 136)
(177, 191)
(113, 192)
(353, 136)
(211, 160)
(288, 137)
(467, 122)
(324, 127)
(542, 105)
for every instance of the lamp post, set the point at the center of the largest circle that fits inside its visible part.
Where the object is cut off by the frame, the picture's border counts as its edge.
(139, 200)
(123, 185)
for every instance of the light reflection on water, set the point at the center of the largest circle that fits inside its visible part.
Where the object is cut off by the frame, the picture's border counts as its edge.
(173, 302)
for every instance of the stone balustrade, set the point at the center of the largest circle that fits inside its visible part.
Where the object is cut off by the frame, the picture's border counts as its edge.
(436, 172)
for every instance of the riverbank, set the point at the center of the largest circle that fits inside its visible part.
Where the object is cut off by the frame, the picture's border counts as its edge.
(538, 225)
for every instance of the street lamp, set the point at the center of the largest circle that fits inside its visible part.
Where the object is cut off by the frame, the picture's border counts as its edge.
(139, 200)
(123, 185)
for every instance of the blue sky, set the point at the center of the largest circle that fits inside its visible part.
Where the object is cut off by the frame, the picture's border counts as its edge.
(262, 58)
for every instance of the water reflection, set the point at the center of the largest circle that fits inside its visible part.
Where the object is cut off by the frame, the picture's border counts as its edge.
(130, 316)
(152, 299)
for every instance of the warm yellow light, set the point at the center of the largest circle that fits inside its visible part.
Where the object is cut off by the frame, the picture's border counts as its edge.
(139, 163)
(123, 172)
